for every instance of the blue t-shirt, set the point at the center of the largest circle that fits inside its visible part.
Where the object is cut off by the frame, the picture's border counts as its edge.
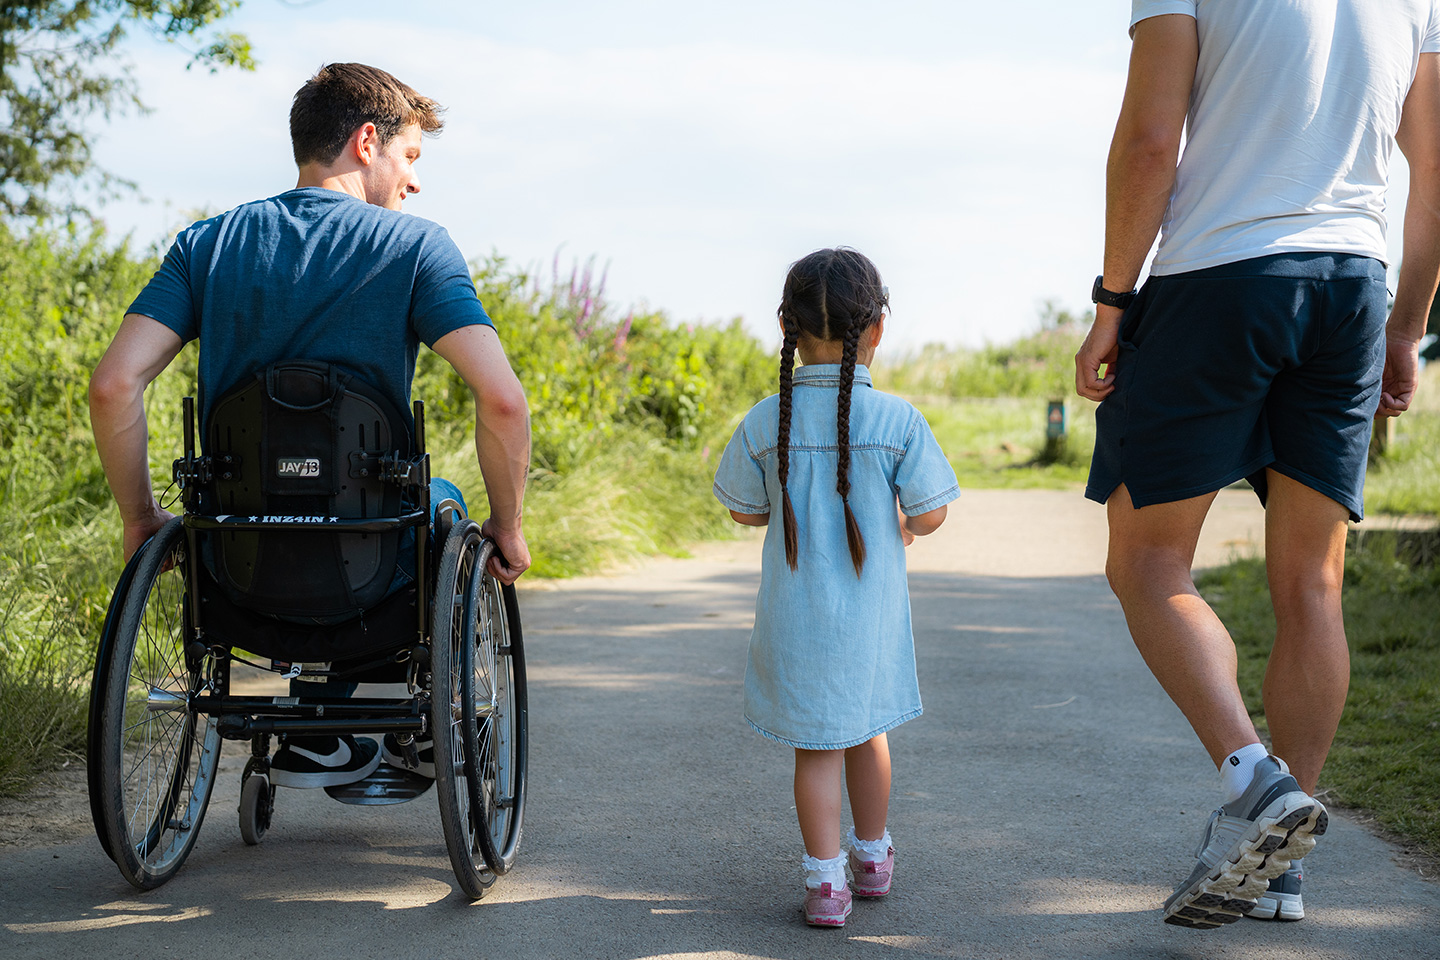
(311, 274)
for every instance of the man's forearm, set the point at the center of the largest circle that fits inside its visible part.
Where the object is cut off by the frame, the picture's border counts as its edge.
(1420, 269)
(502, 445)
(1138, 181)
(117, 417)
(1140, 171)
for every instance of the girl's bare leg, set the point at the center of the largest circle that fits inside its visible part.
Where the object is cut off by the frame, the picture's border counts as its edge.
(817, 800)
(867, 779)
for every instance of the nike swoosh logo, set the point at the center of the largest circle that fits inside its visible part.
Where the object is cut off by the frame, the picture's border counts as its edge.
(339, 758)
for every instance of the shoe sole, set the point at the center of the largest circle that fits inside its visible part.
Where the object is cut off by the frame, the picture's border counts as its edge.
(1228, 890)
(328, 778)
(872, 894)
(828, 920)
(424, 770)
(1286, 907)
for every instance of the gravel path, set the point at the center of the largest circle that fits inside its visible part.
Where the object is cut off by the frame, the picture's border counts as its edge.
(1043, 805)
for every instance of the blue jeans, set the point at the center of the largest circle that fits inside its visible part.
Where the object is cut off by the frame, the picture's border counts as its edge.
(440, 489)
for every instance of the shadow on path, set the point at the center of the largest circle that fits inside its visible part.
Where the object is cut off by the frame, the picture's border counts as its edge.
(1042, 807)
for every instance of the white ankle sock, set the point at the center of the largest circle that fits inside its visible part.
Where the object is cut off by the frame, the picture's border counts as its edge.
(871, 851)
(819, 871)
(1237, 771)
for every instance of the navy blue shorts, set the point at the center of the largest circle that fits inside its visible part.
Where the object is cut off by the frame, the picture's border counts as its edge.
(1271, 362)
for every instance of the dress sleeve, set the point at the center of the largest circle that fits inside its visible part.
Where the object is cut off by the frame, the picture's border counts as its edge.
(740, 478)
(925, 479)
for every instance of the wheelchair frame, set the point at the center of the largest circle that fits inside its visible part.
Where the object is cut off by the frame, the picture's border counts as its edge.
(161, 702)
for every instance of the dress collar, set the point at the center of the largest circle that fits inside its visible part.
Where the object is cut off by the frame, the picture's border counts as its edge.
(828, 375)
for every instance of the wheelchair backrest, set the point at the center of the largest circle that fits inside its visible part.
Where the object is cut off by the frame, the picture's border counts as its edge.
(302, 440)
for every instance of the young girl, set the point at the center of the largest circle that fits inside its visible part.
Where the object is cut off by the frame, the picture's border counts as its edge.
(832, 659)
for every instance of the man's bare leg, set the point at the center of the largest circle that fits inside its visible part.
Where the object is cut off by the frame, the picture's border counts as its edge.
(1185, 645)
(1309, 670)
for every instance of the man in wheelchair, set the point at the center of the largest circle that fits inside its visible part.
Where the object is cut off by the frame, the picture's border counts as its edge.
(331, 274)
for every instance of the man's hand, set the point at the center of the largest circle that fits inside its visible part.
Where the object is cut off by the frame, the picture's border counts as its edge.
(139, 530)
(1402, 373)
(1101, 347)
(512, 546)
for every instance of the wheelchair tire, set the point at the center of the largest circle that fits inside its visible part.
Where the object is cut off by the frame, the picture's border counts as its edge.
(493, 713)
(478, 712)
(152, 758)
(257, 808)
(103, 653)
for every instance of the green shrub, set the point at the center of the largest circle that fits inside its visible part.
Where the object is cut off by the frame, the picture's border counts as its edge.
(626, 412)
(1041, 365)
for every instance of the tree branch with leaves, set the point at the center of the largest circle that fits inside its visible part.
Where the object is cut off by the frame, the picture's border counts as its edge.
(60, 66)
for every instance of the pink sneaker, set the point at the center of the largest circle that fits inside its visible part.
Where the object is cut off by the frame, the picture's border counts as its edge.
(872, 877)
(825, 907)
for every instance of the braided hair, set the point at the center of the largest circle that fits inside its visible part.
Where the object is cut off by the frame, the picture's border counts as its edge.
(831, 295)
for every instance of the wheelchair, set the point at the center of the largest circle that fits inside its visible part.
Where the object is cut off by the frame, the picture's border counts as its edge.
(311, 491)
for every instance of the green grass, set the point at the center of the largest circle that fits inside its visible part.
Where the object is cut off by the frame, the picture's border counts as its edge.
(626, 409)
(1386, 758)
(987, 406)
(631, 496)
(998, 442)
(1407, 478)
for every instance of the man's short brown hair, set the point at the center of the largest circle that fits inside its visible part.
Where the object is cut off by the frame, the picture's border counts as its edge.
(343, 97)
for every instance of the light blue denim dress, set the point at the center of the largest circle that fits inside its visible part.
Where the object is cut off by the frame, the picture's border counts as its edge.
(832, 656)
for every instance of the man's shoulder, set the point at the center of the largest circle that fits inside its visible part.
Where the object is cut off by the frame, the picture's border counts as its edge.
(306, 214)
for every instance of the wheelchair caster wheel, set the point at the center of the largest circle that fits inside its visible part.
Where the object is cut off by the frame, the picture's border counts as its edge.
(257, 806)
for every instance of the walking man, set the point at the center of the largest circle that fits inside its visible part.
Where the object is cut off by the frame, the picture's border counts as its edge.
(1258, 348)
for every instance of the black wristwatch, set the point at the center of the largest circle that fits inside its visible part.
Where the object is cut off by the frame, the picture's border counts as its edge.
(1098, 294)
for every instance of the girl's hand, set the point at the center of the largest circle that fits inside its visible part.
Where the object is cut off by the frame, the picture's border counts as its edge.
(905, 534)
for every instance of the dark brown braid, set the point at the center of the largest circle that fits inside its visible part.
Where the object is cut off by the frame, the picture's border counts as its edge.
(853, 537)
(787, 366)
(829, 295)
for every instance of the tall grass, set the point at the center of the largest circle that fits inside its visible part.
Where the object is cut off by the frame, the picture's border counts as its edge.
(1407, 478)
(988, 406)
(1386, 757)
(626, 409)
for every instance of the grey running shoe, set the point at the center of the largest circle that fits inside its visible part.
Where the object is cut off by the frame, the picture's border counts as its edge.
(1245, 844)
(1282, 901)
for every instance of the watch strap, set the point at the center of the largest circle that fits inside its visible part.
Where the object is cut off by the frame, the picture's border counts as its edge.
(1098, 294)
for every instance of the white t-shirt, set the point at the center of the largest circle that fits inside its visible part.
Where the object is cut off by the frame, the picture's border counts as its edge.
(1291, 125)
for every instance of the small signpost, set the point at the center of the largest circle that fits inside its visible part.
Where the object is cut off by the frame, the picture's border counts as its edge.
(1381, 435)
(1054, 433)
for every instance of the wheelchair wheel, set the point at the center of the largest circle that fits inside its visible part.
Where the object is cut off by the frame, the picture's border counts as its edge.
(257, 807)
(153, 757)
(480, 762)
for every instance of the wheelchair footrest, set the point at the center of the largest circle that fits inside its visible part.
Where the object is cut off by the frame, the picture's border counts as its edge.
(386, 785)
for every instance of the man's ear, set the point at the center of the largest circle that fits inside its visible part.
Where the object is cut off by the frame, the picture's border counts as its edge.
(364, 143)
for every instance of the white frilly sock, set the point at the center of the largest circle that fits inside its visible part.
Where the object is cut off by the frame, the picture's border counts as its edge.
(869, 851)
(819, 871)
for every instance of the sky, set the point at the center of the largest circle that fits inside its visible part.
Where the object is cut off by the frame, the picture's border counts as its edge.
(696, 150)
